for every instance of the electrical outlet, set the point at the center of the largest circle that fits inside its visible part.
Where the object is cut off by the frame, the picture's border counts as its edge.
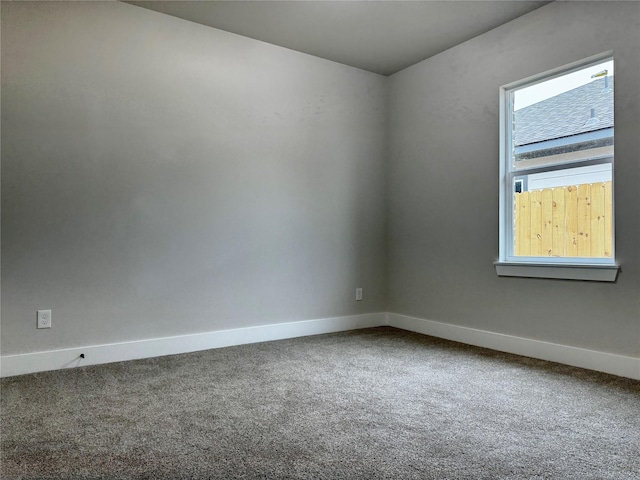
(44, 318)
(358, 294)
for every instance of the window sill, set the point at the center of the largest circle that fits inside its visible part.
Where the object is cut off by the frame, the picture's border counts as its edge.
(595, 273)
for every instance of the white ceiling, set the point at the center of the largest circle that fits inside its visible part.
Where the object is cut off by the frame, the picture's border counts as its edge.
(379, 36)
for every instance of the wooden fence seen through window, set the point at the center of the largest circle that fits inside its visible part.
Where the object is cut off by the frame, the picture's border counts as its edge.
(574, 221)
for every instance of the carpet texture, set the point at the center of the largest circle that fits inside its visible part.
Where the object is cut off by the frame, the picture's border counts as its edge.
(367, 404)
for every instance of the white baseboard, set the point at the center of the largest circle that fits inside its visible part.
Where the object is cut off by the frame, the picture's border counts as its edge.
(11, 365)
(628, 367)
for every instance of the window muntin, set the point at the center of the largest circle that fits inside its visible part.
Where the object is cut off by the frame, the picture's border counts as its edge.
(558, 168)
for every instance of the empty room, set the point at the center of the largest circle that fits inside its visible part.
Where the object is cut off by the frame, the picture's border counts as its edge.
(320, 239)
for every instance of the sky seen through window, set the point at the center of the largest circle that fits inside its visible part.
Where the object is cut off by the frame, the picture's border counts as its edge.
(550, 88)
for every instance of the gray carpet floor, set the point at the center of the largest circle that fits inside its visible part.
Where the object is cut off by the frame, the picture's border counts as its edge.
(367, 404)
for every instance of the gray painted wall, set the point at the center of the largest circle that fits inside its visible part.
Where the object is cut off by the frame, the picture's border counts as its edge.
(443, 183)
(160, 177)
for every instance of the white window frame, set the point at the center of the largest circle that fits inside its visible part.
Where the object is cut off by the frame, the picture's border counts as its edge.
(574, 268)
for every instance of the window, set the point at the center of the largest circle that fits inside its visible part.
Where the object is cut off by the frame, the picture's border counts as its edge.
(556, 172)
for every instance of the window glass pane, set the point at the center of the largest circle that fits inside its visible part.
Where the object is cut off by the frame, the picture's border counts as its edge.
(566, 119)
(559, 168)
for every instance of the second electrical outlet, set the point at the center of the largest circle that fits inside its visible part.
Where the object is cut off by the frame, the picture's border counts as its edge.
(358, 294)
(44, 319)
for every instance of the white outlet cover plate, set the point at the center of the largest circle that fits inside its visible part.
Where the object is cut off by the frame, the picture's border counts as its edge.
(44, 318)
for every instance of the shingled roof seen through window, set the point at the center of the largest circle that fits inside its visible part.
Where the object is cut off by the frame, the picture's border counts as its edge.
(566, 114)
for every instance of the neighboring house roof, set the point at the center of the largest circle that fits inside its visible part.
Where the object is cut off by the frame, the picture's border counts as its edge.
(566, 114)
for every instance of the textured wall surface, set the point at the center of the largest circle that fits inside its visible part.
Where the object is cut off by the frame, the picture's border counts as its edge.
(443, 183)
(163, 178)
(160, 177)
